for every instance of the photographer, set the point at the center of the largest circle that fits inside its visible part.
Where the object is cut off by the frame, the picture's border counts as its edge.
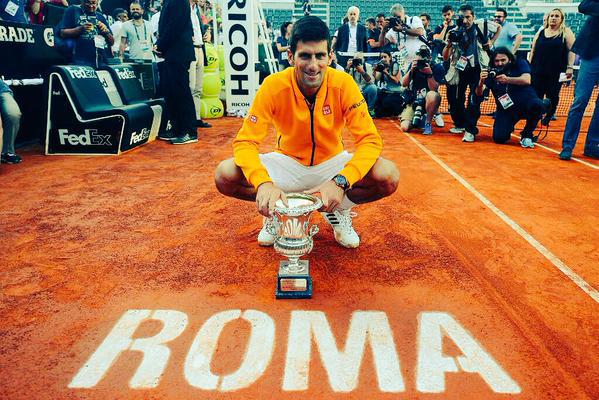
(403, 33)
(422, 83)
(440, 33)
(387, 76)
(509, 80)
(467, 51)
(363, 76)
(89, 30)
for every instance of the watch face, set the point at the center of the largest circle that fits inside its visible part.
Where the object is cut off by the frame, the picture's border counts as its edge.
(341, 181)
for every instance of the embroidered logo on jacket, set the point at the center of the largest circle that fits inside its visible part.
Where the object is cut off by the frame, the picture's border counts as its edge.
(326, 109)
(253, 118)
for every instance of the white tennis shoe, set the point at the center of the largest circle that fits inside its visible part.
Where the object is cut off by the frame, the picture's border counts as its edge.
(341, 221)
(264, 237)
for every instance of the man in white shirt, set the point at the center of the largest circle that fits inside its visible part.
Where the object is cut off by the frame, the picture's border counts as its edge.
(403, 32)
(137, 34)
(120, 17)
(351, 37)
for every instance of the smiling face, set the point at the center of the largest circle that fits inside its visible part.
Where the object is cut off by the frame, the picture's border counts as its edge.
(310, 60)
(90, 6)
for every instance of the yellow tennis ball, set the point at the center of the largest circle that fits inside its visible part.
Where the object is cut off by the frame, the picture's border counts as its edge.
(211, 84)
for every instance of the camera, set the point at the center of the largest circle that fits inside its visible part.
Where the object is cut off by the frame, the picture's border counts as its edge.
(380, 67)
(418, 105)
(356, 62)
(425, 57)
(493, 72)
(456, 35)
(394, 22)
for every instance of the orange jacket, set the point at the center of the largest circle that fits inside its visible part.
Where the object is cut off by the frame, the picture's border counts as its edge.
(310, 137)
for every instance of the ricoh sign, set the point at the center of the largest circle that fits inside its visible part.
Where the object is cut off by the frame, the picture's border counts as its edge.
(239, 38)
(293, 346)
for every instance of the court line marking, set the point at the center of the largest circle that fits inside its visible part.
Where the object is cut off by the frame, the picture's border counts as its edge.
(559, 264)
(557, 152)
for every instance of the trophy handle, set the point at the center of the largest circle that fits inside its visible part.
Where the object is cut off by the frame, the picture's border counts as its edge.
(271, 226)
(313, 231)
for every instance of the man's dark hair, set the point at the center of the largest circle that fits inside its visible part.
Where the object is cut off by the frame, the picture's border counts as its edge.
(425, 15)
(284, 27)
(502, 10)
(507, 52)
(117, 11)
(387, 52)
(371, 21)
(309, 29)
(466, 7)
(380, 15)
(446, 8)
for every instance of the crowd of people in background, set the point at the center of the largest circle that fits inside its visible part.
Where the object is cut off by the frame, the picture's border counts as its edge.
(398, 61)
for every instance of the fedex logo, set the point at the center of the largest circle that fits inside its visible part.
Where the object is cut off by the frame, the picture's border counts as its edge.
(139, 137)
(78, 72)
(125, 73)
(89, 138)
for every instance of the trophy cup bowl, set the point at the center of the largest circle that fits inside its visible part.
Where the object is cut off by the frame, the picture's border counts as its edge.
(293, 239)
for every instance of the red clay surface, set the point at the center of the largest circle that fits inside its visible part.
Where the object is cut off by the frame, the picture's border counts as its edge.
(84, 239)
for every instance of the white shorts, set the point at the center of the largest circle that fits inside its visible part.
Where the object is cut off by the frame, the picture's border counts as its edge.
(291, 176)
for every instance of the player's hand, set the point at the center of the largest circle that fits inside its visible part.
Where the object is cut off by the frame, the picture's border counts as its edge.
(360, 69)
(502, 79)
(267, 196)
(331, 195)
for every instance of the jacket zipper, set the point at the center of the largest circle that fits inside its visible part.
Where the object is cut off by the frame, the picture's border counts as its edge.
(311, 108)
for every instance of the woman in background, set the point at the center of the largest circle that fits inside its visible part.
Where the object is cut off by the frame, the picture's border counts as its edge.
(549, 57)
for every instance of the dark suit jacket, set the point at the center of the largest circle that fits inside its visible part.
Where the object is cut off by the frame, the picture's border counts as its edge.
(343, 38)
(586, 42)
(175, 32)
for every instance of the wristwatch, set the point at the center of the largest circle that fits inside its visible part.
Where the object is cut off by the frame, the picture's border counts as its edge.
(341, 181)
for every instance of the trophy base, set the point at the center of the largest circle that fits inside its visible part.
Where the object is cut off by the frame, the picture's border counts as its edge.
(294, 285)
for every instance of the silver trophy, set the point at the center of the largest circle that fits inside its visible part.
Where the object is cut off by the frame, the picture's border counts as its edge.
(293, 239)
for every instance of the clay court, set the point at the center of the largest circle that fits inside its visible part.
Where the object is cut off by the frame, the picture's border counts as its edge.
(477, 279)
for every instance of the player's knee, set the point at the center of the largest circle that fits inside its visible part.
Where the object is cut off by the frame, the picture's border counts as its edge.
(386, 175)
(226, 177)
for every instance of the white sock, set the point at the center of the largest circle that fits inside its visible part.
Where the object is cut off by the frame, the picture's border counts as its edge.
(346, 203)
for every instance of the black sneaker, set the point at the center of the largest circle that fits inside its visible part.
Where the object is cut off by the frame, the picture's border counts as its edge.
(591, 155)
(8, 158)
(565, 154)
(201, 124)
(168, 135)
(546, 108)
(187, 138)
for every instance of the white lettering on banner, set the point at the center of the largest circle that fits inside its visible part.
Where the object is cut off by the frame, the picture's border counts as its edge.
(125, 73)
(138, 137)
(256, 360)
(16, 35)
(81, 72)
(342, 366)
(89, 138)
(432, 364)
(49, 36)
(120, 339)
(239, 30)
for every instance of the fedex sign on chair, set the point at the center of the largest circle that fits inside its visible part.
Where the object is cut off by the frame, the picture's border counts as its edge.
(240, 38)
